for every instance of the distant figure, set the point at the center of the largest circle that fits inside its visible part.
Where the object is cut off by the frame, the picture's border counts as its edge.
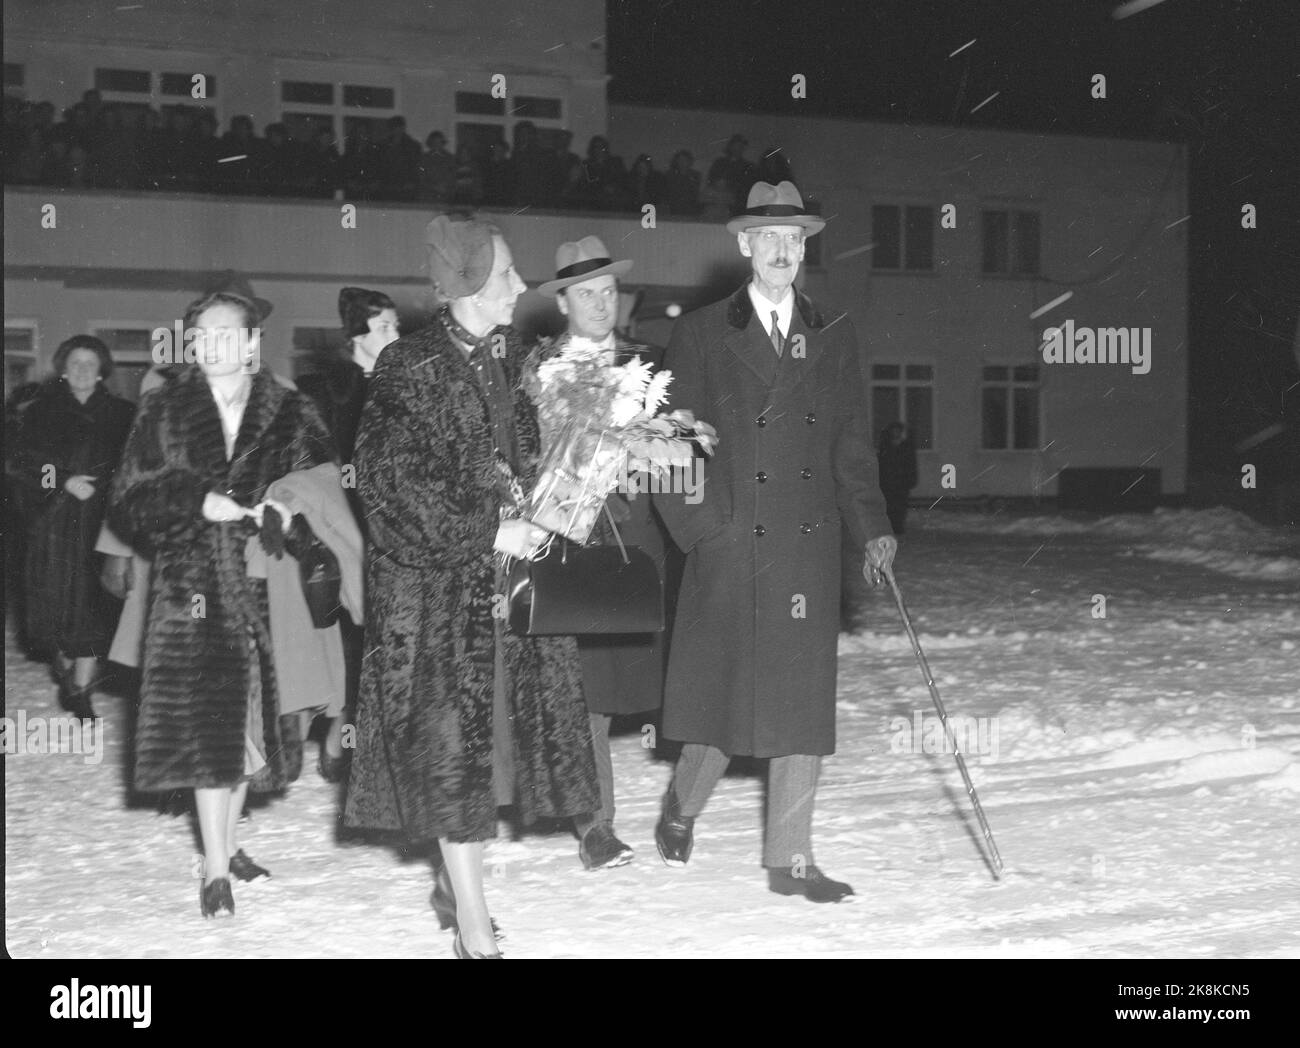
(68, 442)
(735, 170)
(398, 156)
(645, 184)
(682, 185)
(437, 170)
(897, 460)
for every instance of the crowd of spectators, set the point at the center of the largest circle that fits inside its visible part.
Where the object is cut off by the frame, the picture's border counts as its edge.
(107, 146)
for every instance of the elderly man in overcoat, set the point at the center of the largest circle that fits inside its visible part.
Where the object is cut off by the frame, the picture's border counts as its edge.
(752, 669)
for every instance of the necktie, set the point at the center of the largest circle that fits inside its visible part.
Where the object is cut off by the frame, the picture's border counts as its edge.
(776, 333)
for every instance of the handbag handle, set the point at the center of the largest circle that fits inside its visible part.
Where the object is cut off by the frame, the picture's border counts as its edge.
(564, 556)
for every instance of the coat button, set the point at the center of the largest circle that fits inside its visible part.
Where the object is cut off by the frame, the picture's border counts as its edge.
(760, 422)
(760, 530)
(806, 528)
(806, 473)
(810, 418)
(760, 476)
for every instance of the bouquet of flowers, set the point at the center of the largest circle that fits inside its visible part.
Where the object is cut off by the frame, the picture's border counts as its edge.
(599, 423)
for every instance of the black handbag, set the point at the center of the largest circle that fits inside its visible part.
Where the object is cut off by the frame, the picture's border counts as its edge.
(322, 581)
(586, 589)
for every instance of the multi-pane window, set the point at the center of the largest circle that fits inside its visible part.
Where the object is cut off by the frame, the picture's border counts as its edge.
(1009, 407)
(904, 393)
(1011, 242)
(336, 107)
(903, 237)
(20, 357)
(132, 91)
(493, 119)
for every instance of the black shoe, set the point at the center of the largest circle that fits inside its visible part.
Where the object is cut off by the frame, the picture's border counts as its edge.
(444, 905)
(601, 850)
(814, 885)
(331, 768)
(77, 702)
(215, 899)
(675, 834)
(246, 869)
(458, 948)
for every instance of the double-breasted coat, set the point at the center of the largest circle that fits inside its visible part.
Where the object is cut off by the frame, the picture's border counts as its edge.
(623, 673)
(207, 650)
(427, 481)
(59, 438)
(753, 656)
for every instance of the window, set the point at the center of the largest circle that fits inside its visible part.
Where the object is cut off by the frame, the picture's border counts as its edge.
(124, 81)
(494, 119)
(315, 346)
(20, 356)
(1010, 407)
(131, 346)
(174, 84)
(903, 237)
(904, 393)
(336, 107)
(1011, 242)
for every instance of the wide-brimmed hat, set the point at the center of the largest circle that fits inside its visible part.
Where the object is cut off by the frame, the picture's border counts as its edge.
(582, 260)
(779, 205)
(237, 286)
(460, 254)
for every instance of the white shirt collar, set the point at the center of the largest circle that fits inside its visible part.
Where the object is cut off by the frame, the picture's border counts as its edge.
(607, 344)
(763, 308)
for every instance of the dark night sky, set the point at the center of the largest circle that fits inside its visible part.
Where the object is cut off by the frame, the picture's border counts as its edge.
(1221, 75)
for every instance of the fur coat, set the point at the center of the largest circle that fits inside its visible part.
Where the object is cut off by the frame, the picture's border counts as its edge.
(425, 474)
(207, 650)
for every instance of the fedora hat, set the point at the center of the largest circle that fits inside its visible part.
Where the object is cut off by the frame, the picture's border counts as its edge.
(779, 205)
(237, 286)
(583, 260)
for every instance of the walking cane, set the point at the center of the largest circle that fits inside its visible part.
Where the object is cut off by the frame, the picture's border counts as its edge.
(943, 717)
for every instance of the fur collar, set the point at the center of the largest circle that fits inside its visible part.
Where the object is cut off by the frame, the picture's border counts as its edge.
(740, 309)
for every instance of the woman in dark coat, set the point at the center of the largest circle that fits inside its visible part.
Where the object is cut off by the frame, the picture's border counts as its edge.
(339, 390)
(190, 492)
(456, 717)
(70, 440)
(897, 460)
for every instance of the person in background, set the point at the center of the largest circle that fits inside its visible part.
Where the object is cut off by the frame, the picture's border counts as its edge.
(455, 716)
(397, 162)
(437, 170)
(340, 390)
(735, 171)
(896, 457)
(190, 494)
(682, 185)
(467, 186)
(69, 442)
(645, 184)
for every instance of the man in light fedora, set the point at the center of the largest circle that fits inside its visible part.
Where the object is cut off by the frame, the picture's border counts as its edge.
(621, 673)
(753, 664)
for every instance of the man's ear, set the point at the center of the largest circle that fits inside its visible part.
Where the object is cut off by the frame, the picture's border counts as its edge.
(562, 303)
(744, 244)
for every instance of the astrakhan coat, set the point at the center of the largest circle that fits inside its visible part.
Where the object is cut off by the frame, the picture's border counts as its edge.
(59, 438)
(623, 673)
(753, 657)
(425, 475)
(207, 645)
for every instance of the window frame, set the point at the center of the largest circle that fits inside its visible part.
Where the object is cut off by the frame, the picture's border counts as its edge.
(902, 205)
(548, 88)
(902, 383)
(296, 355)
(1010, 383)
(1011, 209)
(336, 111)
(32, 356)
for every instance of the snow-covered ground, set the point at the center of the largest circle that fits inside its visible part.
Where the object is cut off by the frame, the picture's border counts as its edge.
(1141, 773)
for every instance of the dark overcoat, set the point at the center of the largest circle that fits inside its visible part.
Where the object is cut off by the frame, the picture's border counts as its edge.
(339, 392)
(623, 673)
(753, 657)
(59, 438)
(206, 639)
(425, 474)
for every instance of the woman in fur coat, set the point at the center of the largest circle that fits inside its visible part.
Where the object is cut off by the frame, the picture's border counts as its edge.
(455, 716)
(189, 494)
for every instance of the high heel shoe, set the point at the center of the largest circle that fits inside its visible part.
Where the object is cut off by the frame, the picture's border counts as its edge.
(77, 701)
(444, 905)
(463, 954)
(215, 900)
